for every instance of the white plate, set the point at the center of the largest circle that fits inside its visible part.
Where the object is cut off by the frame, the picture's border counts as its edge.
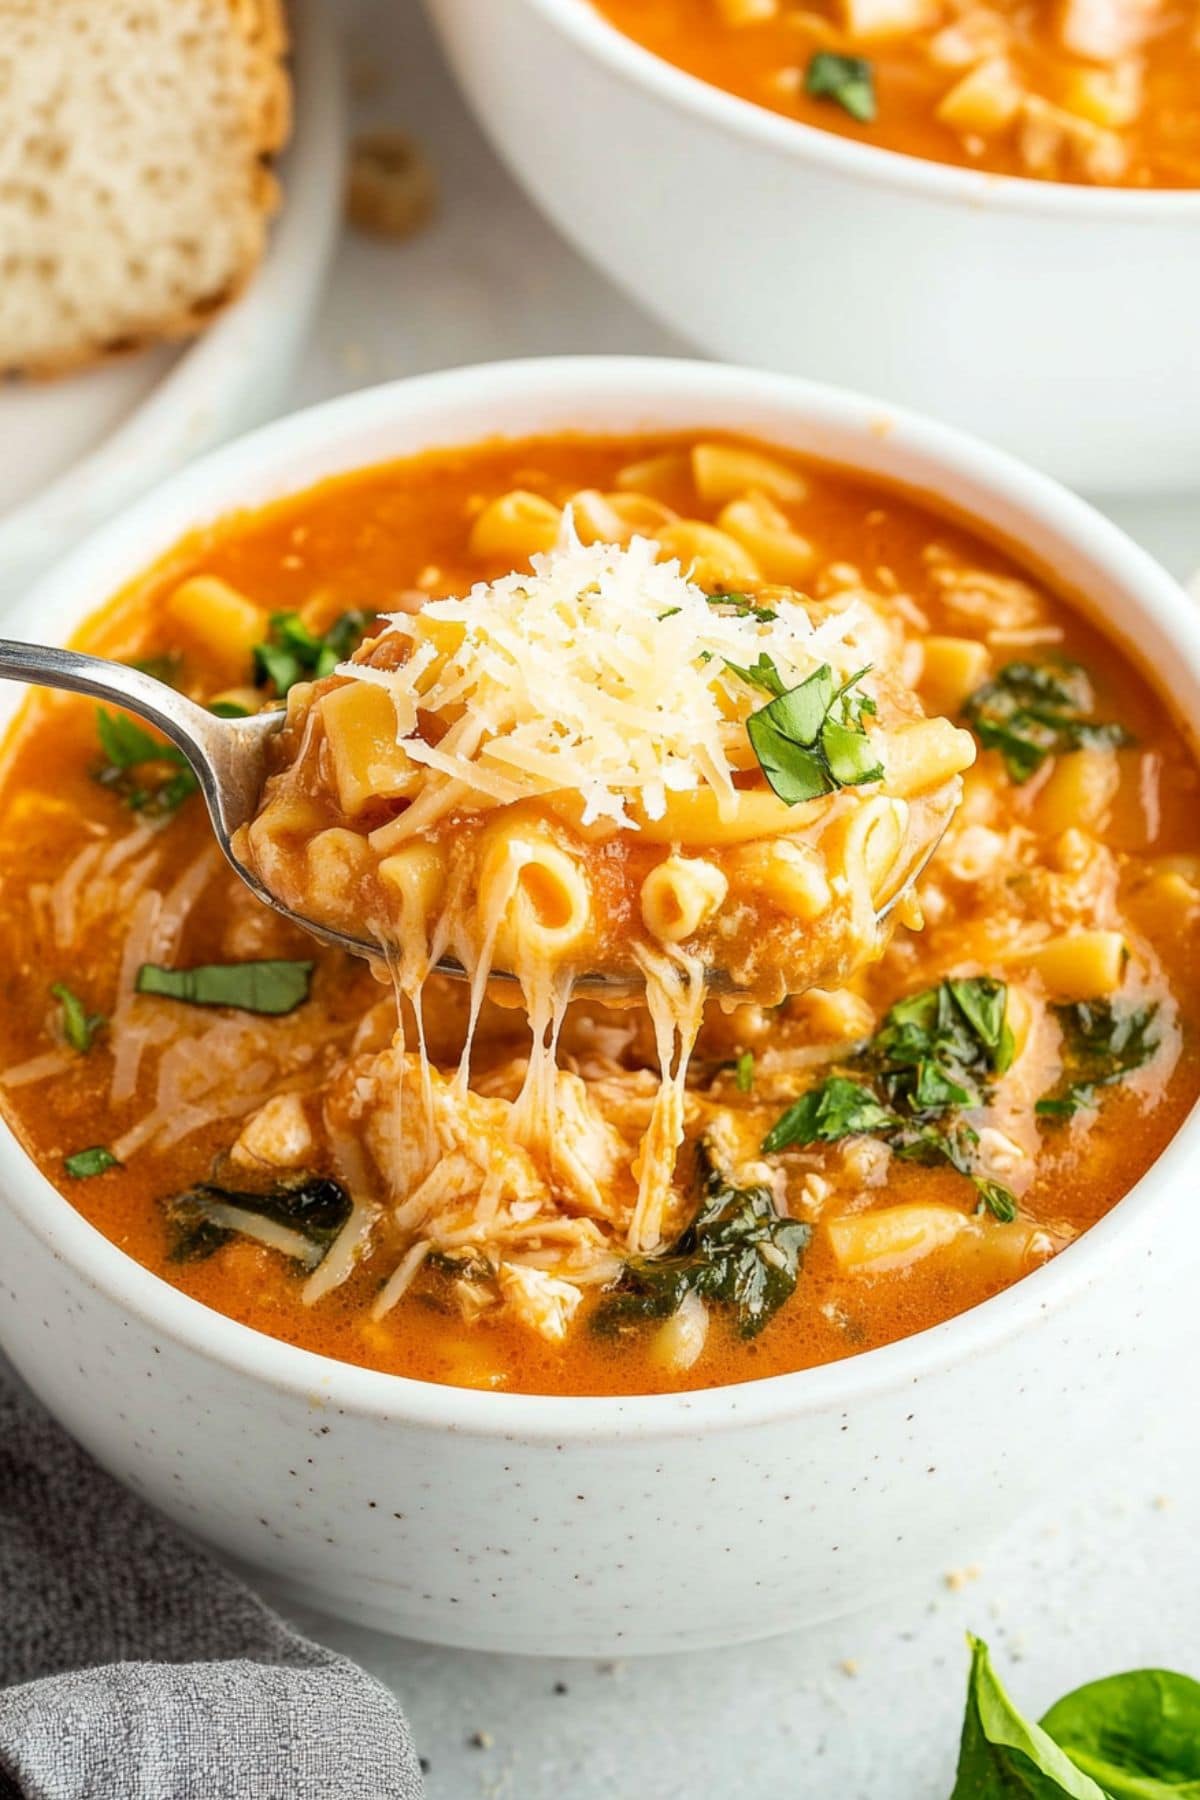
(82, 447)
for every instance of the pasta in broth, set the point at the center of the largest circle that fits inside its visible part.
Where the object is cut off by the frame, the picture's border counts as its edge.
(599, 766)
(233, 1105)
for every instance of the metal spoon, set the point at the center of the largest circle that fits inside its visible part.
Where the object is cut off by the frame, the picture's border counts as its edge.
(229, 760)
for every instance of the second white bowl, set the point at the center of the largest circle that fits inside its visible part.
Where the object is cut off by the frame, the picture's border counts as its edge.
(1057, 321)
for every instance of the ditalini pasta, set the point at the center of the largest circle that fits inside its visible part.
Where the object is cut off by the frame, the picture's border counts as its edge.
(1096, 91)
(668, 709)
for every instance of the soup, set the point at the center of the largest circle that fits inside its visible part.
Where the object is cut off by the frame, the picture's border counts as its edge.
(238, 1109)
(1095, 91)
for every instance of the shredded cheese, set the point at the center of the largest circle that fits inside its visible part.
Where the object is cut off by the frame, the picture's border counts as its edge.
(604, 673)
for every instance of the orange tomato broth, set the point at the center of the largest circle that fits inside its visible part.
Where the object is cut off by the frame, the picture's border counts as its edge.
(361, 541)
(765, 62)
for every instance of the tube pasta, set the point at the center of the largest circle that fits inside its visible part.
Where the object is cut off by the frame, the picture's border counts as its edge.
(616, 518)
(223, 623)
(789, 874)
(712, 558)
(923, 755)
(781, 554)
(873, 844)
(1086, 965)
(534, 896)
(951, 669)
(360, 734)
(515, 527)
(724, 472)
(679, 896)
(888, 1238)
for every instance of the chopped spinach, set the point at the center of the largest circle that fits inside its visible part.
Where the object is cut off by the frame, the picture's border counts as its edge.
(847, 80)
(1029, 711)
(271, 986)
(306, 1212)
(810, 739)
(82, 1164)
(1100, 1046)
(150, 776)
(79, 1026)
(293, 653)
(738, 1251)
(933, 1058)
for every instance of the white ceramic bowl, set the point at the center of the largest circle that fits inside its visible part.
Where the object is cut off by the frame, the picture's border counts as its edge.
(600, 1526)
(1057, 321)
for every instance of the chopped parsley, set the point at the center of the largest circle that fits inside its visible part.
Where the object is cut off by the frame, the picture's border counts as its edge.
(293, 653)
(79, 1026)
(931, 1062)
(1029, 711)
(259, 987)
(1100, 1046)
(738, 1251)
(810, 739)
(83, 1164)
(150, 776)
(849, 81)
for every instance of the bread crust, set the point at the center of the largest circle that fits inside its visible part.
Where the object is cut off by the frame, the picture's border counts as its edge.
(262, 25)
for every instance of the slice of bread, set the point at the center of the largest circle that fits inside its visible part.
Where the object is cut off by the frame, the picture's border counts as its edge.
(135, 180)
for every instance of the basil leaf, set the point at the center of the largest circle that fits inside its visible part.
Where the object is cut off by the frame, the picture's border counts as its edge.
(79, 1026)
(1137, 1735)
(761, 674)
(1002, 1754)
(792, 772)
(836, 1109)
(744, 1072)
(1029, 711)
(995, 1198)
(292, 653)
(82, 1164)
(847, 80)
(850, 754)
(128, 748)
(258, 987)
(1101, 1044)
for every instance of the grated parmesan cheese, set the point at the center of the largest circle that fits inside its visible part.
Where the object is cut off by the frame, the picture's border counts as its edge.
(602, 673)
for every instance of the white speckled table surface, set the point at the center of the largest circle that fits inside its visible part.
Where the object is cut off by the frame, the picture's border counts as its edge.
(1102, 1578)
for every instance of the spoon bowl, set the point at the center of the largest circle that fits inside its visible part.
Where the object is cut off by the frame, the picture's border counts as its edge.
(229, 758)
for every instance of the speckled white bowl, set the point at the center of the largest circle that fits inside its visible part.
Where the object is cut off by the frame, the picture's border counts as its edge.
(1059, 321)
(601, 1526)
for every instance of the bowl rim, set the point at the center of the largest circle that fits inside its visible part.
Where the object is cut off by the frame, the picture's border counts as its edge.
(217, 485)
(598, 37)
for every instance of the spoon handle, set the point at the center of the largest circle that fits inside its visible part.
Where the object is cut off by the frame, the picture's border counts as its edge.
(227, 755)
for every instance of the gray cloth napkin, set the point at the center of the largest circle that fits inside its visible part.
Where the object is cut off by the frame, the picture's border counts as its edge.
(134, 1667)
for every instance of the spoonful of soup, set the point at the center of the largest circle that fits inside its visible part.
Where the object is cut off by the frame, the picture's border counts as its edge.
(595, 775)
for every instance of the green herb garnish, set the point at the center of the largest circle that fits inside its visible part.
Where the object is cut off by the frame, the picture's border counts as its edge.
(1030, 711)
(151, 776)
(810, 739)
(258, 987)
(305, 1214)
(932, 1060)
(743, 1072)
(847, 80)
(79, 1026)
(1100, 1046)
(293, 653)
(743, 607)
(82, 1164)
(738, 1252)
(165, 666)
